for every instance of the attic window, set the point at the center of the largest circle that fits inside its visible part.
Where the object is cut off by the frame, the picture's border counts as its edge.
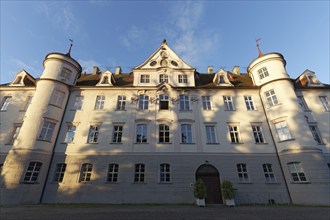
(174, 63)
(222, 79)
(313, 80)
(105, 80)
(153, 63)
(18, 80)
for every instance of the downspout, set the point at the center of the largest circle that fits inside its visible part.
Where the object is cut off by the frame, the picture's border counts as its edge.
(53, 153)
(278, 157)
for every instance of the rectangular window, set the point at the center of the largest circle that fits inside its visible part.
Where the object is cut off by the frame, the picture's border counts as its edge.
(271, 98)
(5, 103)
(242, 172)
(182, 78)
(249, 103)
(141, 133)
(263, 72)
(27, 103)
(78, 102)
(113, 172)
(164, 133)
(316, 134)
(268, 171)
(283, 131)
(206, 102)
(186, 134)
(229, 104)
(69, 136)
(121, 103)
(302, 103)
(93, 135)
(86, 172)
(14, 134)
(297, 172)
(165, 173)
(163, 78)
(59, 172)
(117, 133)
(32, 172)
(163, 102)
(143, 102)
(47, 131)
(145, 79)
(324, 101)
(57, 98)
(99, 103)
(184, 102)
(66, 73)
(257, 133)
(210, 134)
(234, 133)
(139, 173)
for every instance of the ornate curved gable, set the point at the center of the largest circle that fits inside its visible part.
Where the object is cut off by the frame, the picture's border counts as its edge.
(164, 65)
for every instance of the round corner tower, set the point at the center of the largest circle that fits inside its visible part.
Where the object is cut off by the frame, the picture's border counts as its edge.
(304, 166)
(26, 165)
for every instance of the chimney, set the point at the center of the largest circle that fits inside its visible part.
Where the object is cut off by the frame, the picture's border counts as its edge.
(96, 70)
(210, 69)
(118, 70)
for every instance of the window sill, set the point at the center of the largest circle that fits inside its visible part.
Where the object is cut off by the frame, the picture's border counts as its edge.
(92, 142)
(56, 106)
(182, 110)
(230, 110)
(44, 140)
(261, 143)
(274, 106)
(139, 183)
(120, 110)
(142, 143)
(164, 143)
(188, 143)
(29, 183)
(99, 110)
(164, 109)
(236, 143)
(116, 143)
(208, 110)
(112, 183)
(291, 139)
(165, 183)
(245, 182)
(272, 183)
(76, 110)
(306, 182)
(212, 143)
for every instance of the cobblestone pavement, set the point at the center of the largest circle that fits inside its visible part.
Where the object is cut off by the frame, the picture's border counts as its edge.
(161, 212)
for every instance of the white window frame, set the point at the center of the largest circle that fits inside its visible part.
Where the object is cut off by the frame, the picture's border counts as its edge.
(117, 134)
(186, 134)
(66, 73)
(143, 102)
(234, 133)
(32, 172)
(316, 133)
(145, 78)
(163, 133)
(325, 103)
(283, 131)
(5, 103)
(263, 72)
(184, 102)
(139, 173)
(258, 134)
(206, 100)
(271, 98)
(141, 133)
(211, 134)
(269, 173)
(229, 103)
(163, 78)
(47, 130)
(242, 172)
(99, 102)
(121, 103)
(14, 133)
(70, 132)
(164, 173)
(113, 172)
(59, 172)
(57, 98)
(86, 172)
(249, 102)
(182, 78)
(297, 172)
(78, 102)
(93, 134)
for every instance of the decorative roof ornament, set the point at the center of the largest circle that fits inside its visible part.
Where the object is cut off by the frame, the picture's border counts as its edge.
(69, 52)
(259, 51)
(164, 42)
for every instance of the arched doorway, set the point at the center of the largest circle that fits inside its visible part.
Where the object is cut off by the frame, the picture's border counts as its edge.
(210, 175)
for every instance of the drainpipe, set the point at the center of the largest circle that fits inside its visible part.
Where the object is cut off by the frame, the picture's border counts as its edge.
(278, 157)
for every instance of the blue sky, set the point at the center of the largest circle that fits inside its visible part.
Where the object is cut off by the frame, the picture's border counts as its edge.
(125, 33)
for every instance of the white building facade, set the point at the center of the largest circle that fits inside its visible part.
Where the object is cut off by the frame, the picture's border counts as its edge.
(146, 136)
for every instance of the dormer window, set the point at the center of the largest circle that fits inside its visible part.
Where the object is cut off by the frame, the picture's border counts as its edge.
(221, 78)
(18, 80)
(263, 72)
(105, 80)
(145, 79)
(313, 80)
(163, 78)
(183, 78)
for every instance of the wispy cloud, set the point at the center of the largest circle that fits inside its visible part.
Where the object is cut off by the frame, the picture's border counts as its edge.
(19, 65)
(132, 36)
(87, 65)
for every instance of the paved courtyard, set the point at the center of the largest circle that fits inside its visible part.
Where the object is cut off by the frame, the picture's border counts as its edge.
(160, 212)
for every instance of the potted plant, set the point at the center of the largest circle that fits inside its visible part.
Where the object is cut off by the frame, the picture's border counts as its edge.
(228, 193)
(200, 192)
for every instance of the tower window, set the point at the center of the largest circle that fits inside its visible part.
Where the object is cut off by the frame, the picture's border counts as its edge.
(283, 131)
(47, 131)
(271, 98)
(263, 72)
(57, 98)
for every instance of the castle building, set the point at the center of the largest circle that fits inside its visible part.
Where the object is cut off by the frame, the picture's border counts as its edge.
(146, 136)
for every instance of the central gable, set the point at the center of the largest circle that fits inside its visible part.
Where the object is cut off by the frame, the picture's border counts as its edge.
(164, 65)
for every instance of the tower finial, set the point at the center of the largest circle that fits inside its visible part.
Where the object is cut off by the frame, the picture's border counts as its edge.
(69, 52)
(259, 51)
